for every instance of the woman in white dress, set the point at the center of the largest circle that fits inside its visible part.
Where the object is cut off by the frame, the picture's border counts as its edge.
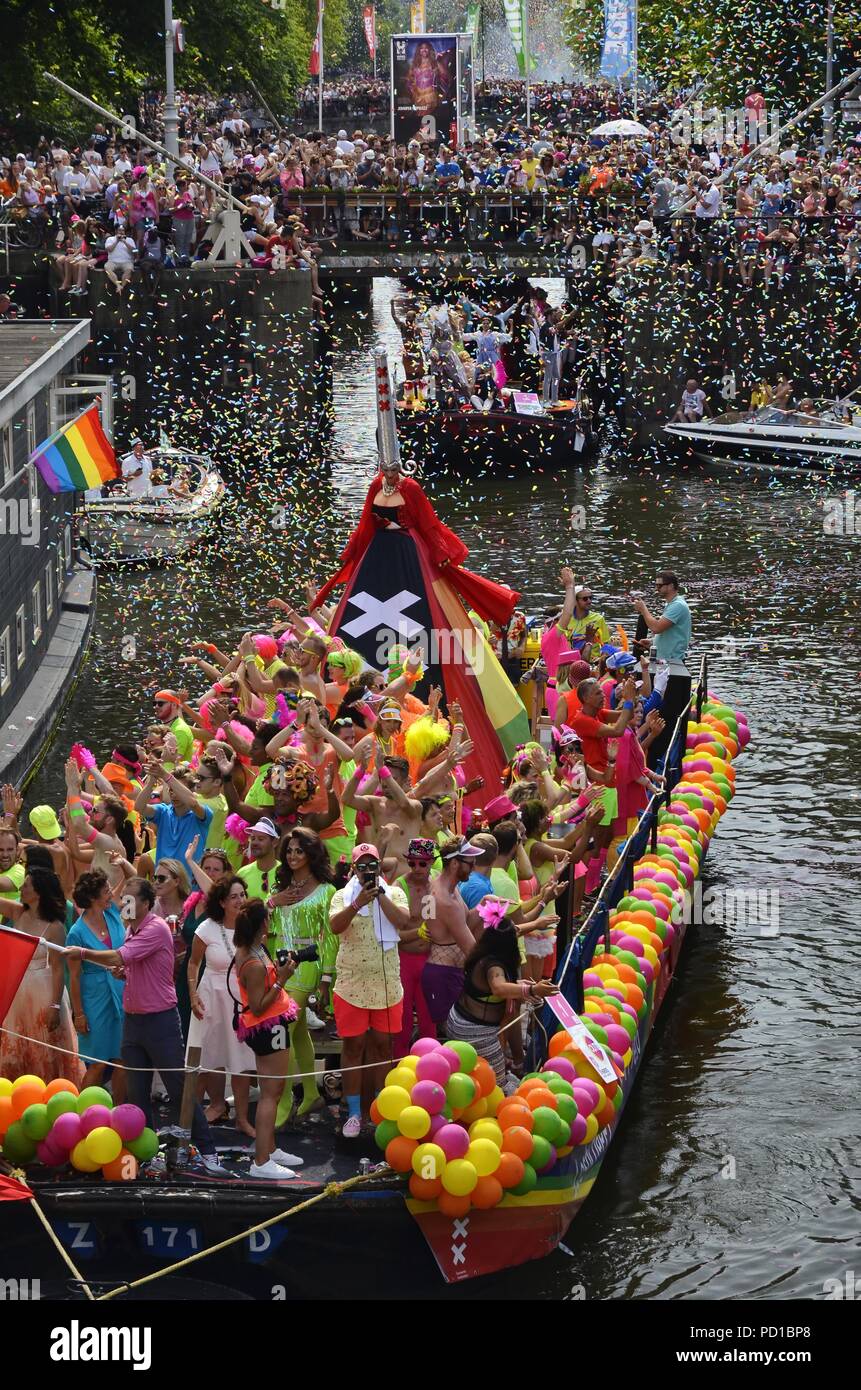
(211, 1027)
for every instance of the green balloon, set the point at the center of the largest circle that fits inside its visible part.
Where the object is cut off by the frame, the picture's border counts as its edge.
(61, 1104)
(18, 1147)
(563, 1133)
(597, 1032)
(617, 1098)
(540, 1150)
(146, 1144)
(529, 1179)
(35, 1122)
(636, 905)
(568, 1109)
(544, 1124)
(628, 1023)
(94, 1095)
(461, 1090)
(385, 1132)
(558, 1085)
(533, 1075)
(467, 1054)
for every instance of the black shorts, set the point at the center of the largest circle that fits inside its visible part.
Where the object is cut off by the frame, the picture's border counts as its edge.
(266, 1042)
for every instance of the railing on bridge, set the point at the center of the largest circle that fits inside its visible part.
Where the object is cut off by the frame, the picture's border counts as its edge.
(500, 212)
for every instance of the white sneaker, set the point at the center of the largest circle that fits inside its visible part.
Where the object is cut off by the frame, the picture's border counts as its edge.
(313, 1020)
(286, 1160)
(269, 1172)
(353, 1128)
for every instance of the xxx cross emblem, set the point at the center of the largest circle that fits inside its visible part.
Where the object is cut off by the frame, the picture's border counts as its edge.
(384, 613)
(459, 1231)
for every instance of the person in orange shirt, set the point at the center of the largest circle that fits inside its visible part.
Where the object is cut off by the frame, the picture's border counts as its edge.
(601, 175)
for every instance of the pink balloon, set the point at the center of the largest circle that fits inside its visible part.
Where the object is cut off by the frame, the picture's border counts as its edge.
(646, 969)
(49, 1154)
(422, 1046)
(551, 1162)
(561, 1066)
(630, 1011)
(632, 943)
(432, 1067)
(578, 1129)
(592, 980)
(437, 1123)
(586, 1099)
(66, 1131)
(128, 1121)
(97, 1117)
(449, 1056)
(617, 1037)
(453, 1140)
(615, 994)
(429, 1095)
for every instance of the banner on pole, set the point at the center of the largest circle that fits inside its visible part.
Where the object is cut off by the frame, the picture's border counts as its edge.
(516, 20)
(314, 60)
(473, 19)
(617, 49)
(417, 17)
(369, 19)
(424, 86)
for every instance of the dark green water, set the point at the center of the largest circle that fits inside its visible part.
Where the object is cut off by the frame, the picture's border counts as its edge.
(735, 1170)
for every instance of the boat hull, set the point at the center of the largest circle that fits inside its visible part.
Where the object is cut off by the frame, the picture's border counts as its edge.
(805, 451)
(503, 440)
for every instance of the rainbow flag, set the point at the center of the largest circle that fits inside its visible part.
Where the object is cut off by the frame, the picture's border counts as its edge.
(77, 457)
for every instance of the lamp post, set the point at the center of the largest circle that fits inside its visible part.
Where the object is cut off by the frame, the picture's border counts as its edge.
(171, 120)
(828, 109)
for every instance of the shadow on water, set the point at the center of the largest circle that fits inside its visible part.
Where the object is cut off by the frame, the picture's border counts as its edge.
(734, 1173)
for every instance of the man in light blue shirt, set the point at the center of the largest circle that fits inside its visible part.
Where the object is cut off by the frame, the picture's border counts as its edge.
(672, 637)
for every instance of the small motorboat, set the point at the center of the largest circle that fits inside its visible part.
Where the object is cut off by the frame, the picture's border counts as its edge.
(153, 530)
(524, 435)
(816, 436)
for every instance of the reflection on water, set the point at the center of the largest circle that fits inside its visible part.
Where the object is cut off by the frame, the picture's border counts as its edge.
(734, 1172)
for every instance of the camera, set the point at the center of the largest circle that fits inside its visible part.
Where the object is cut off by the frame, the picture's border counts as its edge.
(299, 957)
(369, 878)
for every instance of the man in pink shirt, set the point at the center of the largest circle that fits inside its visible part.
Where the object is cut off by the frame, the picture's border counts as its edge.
(152, 1035)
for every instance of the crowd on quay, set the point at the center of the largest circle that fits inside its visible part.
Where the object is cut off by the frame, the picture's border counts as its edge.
(294, 848)
(628, 204)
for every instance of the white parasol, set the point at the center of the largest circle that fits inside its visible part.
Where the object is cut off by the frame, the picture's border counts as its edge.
(620, 128)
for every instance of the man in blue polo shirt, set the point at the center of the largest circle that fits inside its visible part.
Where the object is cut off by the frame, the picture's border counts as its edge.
(177, 819)
(478, 885)
(446, 167)
(672, 637)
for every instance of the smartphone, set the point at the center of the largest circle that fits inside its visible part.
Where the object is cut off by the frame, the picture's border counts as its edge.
(545, 737)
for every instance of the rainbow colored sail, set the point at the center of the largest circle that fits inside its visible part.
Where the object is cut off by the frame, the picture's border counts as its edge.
(77, 457)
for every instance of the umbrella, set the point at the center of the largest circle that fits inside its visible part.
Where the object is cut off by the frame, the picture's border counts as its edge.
(620, 128)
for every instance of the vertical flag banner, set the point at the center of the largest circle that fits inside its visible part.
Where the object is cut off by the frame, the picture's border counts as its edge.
(516, 25)
(314, 60)
(16, 951)
(473, 20)
(77, 457)
(617, 50)
(417, 17)
(369, 19)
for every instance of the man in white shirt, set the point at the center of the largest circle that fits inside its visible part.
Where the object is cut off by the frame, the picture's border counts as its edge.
(121, 260)
(693, 403)
(708, 200)
(137, 468)
(344, 146)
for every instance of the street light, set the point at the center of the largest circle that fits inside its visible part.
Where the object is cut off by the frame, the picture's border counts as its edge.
(171, 119)
(828, 109)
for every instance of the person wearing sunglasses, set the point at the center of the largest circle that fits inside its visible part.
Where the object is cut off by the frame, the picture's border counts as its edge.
(415, 943)
(585, 622)
(672, 638)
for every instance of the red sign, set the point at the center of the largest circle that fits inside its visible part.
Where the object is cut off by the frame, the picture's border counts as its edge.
(314, 60)
(369, 19)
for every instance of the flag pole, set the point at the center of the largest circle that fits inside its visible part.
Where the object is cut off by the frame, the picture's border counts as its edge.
(320, 65)
(636, 59)
(526, 55)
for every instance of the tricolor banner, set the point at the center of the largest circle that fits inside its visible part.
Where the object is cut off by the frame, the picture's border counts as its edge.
(314, 60)
(516, 20)
(617, 49)
(369, 19)
(417, 17)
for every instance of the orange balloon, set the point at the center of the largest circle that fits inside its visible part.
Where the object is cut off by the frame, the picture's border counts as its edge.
(531, 1083)
(635, 995)
(54, 1088)
(517, 1141)
(399, 1153)
(542, 1096)
(605, 1008)
(559, 1042)
(121, 1169)
(606, 1114)
(375, 1113)
(510, 1171)
(514, 1112)
(453, 1206)
(626, 973)
(29, 1094)
(487, 1193)
(484, 1076)
(7, 1114)
(702, 817)
(425, 1189)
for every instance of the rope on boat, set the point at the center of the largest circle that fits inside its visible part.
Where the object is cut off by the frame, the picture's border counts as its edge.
(332, 1189)
(20, 1177)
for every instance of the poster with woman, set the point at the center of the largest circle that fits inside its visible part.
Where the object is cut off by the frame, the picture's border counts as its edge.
(424, 86)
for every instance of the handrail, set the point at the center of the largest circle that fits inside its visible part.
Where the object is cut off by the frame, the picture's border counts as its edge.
(596, 925)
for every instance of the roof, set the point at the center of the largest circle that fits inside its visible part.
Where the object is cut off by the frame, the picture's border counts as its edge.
(32, 353)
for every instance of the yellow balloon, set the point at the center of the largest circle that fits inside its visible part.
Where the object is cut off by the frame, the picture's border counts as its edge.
(80, 1159)
(410, 1063)
(28, 1081)
(484, 1156)
(102, 1145)
(476, 1111)
(391, 1101)
(5, 1086)
(401, 1076)
(486, 1129)
(413, 1122)
(592, 1128)
(494, 1100)
(459, 1177)
(429, 1160)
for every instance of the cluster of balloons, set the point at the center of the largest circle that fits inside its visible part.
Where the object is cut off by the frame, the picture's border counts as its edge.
(54, 1123)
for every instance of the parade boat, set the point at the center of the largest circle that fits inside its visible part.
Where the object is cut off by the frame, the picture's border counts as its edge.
(524, 435)
(814, 439)
(153, 530)
(347, 1223)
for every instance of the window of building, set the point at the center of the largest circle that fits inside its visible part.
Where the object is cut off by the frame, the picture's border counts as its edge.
(32, 487)
(67, 546)
(5, 662)
(20, 637)
(49, 591)
(60, 562)
(37, 611)
(31, 428)
(7, 455)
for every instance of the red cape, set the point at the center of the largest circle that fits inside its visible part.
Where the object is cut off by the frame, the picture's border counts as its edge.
(493, 602)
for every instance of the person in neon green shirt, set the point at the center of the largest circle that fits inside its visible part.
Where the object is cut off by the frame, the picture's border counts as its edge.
(167, 711)
(584, 618)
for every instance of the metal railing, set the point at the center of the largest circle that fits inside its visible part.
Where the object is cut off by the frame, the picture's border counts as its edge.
(620, 880)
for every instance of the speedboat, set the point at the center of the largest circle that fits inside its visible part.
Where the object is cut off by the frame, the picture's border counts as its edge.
(160, 527)
(817, 437)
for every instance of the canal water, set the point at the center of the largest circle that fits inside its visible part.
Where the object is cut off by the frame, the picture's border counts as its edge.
(735, 1170)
